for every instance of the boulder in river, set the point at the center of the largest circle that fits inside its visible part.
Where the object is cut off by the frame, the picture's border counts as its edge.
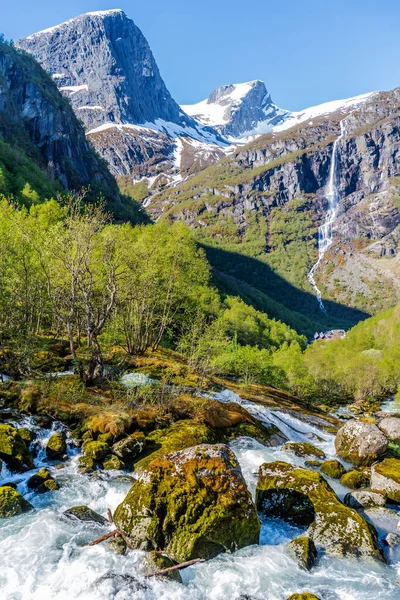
(154, 562)
(112, 462)
(12, 503)
(56, 447)
(391, 427)
(333, 469)
(96, 450)
(43, 481)
(193, 504)
(303, 449)
(303, 550)
(354, 480)
(130, 447)
(305, 596)
(27, 435)
(13, 449)
(360, 443)
(365, 499)
(304, 497)
(84, 513)
(385, 477)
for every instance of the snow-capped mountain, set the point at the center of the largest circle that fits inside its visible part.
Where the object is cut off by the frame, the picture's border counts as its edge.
(238, 111)
(104, 64)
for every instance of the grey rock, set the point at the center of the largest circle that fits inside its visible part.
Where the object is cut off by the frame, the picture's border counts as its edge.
(84, 513)
(365, 499)
(391, 427)
(392, 540)
(360, 443)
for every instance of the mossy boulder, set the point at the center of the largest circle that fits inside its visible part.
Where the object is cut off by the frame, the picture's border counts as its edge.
(154, 562)
(333, 469)
(56, 448)
(304, 497)
(43, 482)
(113, 463)
(108, 438)
(302, 449)
(27, 435)
(305, 596)
(13, 449)
(385, 477)
(86, 464)
(313, 464)
(360, 443)
(303, 550)
(118, 545)
(180, 435)
(98, 451)
(190, 504)
(130, 447)
(391, 427)
(84, 513)
(12, 503)
(354, 480)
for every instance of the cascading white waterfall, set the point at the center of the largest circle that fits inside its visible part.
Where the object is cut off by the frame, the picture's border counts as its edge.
(325, 231)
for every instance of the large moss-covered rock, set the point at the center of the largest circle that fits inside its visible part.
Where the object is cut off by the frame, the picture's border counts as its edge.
(333, 469)
(43, 482)
(12, 503)
(98, 451)
(354, 480)
(56, 447)
(86, 464)
(113, 463)
(84, 513)
(154, 562)
(13, 449)
(303, 550)
(27, 435)
(391, 427)
(303, 449)
(304, 497)
(360, 443)
(191, 504)
(385, 477)
(180, 435)
(130, 447)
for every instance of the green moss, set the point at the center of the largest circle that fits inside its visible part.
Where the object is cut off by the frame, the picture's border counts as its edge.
(113, 462)
(107, 438)
(56, 446)
(303, 449)
(13, 450)
(154, 562)
(305, 596)
(354, 480)
(304, 497)
(192, 504)
(303, 551)
(12, 503)
(86, 464)
(96, 450)
(27, 435)
(333, 469)
(385, 476)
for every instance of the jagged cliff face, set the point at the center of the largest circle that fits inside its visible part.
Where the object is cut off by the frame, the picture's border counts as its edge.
(237, 200)
(240, 110)
(34, 113)
(102, 62)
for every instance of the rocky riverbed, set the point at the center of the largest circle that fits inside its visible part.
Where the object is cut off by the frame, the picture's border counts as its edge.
(295, 480)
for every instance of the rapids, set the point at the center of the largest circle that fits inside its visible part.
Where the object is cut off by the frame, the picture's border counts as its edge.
(43, 555)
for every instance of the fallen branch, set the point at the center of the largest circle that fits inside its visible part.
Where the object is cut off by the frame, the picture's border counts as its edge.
(175, 567)
(109, 516)
(114, 533)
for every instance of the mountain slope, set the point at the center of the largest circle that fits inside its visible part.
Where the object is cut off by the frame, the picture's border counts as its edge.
(43, 140)
(268, 199)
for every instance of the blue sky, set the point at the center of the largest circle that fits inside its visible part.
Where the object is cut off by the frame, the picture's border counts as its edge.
(306, 51)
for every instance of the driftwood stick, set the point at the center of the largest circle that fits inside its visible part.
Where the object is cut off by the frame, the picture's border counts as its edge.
(175, 567)
(109, 516)
(114, 533)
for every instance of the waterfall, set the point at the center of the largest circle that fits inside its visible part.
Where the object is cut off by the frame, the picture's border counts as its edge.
(325, 234)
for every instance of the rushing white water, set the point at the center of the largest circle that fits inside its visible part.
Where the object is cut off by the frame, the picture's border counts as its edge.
(325, 231)
(44, 556)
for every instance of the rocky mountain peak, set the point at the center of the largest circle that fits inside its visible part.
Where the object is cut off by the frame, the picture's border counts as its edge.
(104, 64)
(238, 110)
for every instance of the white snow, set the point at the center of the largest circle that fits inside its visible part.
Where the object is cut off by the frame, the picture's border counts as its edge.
(91, 108)
(74, 89)
(295, 118)
(217, 113)
(99, 13)
(58, 76)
